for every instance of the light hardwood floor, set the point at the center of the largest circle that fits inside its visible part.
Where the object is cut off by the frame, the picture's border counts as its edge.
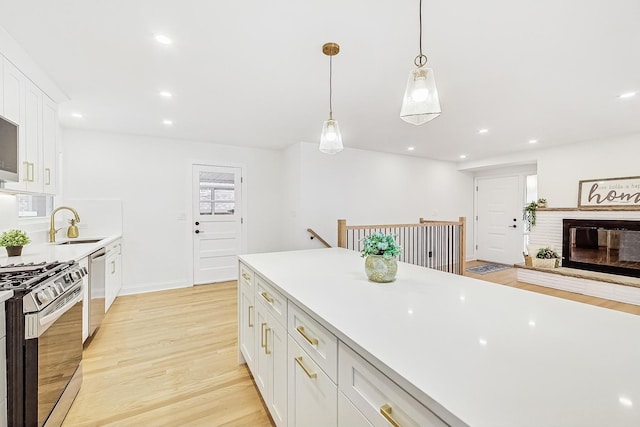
(170, 359)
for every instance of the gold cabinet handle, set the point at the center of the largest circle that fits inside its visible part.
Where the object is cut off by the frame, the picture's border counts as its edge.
(48, 171)
(266, 341)
(304, 368)
(385, 410)
(262, 335)
(312, 341)
(250, 323)
(113, 267)
(31, 167)
(267, 297)
(246, 276)
(26, 171)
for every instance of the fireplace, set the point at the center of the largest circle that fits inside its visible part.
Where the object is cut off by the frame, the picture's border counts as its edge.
(608, 246)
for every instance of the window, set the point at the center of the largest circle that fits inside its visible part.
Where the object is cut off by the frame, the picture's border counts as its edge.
(217, 193)
(30, 206)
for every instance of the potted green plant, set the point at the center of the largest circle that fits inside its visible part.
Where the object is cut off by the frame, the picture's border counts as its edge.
(529, 215)
(546, 258)
(380, 263)
(14, 240)
(542, 202)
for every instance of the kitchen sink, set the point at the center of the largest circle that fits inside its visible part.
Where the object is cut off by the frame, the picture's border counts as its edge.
(79, 241)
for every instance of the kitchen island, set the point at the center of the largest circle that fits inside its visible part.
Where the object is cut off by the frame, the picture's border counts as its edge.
(474, 353)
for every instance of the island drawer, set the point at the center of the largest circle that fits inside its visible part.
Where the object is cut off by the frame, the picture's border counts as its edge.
(246, 275)
(378, 398)
(275, 302)
(315, 339)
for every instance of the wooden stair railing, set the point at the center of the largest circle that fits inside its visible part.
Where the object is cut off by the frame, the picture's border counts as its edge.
(317, 236)
(435, 244)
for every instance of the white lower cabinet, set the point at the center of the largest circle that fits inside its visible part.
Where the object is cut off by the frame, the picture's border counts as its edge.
(247, 323)
(312, 394)
(380, 400)
(348, 415)
(270, 362)
(113, 273)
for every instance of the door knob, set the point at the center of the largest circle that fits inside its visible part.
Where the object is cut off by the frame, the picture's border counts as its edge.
(197, 231)
(198, 223)
(514, 226)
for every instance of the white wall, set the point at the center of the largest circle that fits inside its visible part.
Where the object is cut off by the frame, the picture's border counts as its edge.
(561, 168)
(152, 178)
(367, 187)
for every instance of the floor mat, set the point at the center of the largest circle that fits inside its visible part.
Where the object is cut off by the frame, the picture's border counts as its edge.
(488, 268)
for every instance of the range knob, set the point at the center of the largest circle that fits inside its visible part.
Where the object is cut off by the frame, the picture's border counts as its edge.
(43, 297)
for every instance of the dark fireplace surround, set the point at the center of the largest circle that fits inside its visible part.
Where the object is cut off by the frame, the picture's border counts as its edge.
(608, 246)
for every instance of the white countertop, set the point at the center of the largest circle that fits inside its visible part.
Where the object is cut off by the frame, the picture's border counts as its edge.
(53, 252)
(489, 354)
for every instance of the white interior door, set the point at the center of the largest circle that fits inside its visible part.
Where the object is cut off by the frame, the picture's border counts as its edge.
(500, 236)
(217, 223)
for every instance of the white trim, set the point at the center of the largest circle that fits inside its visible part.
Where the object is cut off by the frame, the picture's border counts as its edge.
(144, 288)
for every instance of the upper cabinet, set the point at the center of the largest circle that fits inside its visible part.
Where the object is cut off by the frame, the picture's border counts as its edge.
(37, 116)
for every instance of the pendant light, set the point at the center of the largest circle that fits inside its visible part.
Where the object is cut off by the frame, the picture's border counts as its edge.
(421, 102)
(330, 139)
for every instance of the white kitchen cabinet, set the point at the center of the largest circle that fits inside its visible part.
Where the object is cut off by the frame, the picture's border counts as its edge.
(348, 415)
(247, 323)
(84, 263)
(113, 273)
(378, 398)
(14, 103)
(270, 373)
(37, 117)
(312, 394)
(1, 85)
(49, 146)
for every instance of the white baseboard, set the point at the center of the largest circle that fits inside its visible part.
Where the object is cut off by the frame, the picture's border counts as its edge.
(144, 288)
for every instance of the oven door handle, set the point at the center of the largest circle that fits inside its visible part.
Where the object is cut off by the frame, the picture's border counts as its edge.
(52, 317)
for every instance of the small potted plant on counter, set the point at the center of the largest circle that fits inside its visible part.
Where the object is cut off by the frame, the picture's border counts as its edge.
(380, 263)
(546, 258)
(14, 240)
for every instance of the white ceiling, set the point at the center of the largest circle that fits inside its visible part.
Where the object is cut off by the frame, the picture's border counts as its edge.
(252, 73)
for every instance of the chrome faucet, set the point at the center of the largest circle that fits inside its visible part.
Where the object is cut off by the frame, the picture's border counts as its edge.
(73, 229)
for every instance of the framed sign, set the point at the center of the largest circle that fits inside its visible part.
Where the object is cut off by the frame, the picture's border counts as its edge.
(614, 193)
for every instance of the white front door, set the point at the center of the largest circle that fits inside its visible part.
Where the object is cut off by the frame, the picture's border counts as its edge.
(499, 222)
(217, 223)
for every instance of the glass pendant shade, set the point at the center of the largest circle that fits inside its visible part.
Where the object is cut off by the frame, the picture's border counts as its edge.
(421, 102)
(330, 139)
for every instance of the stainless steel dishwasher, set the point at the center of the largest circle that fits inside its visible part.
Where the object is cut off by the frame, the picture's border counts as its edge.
(97, 262)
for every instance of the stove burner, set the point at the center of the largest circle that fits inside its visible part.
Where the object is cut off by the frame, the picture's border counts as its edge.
(27, 276)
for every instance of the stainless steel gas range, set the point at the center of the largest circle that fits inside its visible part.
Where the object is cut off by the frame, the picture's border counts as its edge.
(44, 341)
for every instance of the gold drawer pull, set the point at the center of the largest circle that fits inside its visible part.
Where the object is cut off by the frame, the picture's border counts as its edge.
(385, 410)
(304, 368)
(246, 276)
(312, 341)
(262, 344)
(266, 342)
(250, 323)
(267, 297)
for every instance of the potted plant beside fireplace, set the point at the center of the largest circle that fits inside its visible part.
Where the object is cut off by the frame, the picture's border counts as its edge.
(546, 258)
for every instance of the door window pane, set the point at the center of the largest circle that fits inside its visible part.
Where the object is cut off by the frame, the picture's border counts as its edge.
(217, 193)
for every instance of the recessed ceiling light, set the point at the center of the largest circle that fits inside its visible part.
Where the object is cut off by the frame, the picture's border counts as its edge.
(165, 94)
(162, 39)
(481, 131)
(167, 122)
(77, 115)
(463, 156)
(411, 148)
(627, 95)
(533, 141)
